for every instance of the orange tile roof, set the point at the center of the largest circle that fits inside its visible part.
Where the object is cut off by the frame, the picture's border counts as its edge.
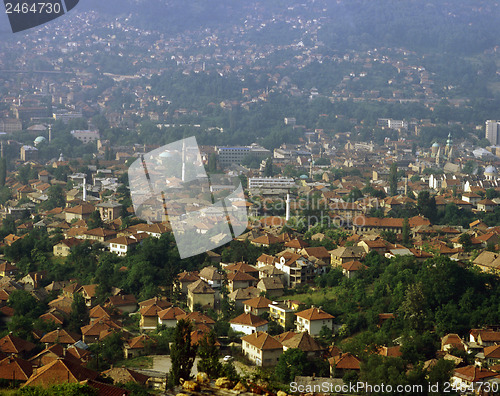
(240, 277)
(15, 368)
(258, 302)
(345, 361)
(304, 342)
(262, 341)
(249, 319)
(297, 243)
(124, 375)
(314, 314)
(267, 239)
(61, 337)
(150, 311)
(473, 373)
(12, 344)
(99, 312)
(139, 341)
(353, 266)
(241, 267)
(196, 318)
(492, 352)
(394, 351)
(121, 300)
(171, 313)
(61, 371)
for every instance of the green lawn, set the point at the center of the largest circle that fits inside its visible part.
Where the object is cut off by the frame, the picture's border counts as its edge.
(313, 297)
(8, 392)
(142, 362)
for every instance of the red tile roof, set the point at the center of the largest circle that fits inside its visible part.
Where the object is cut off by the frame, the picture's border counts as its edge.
(249, 319)
(314, 314)
(11, 344)
(258, 302)
(262, 341)
(473, 373)
(345, 361)
(13, 368)
(61, 371)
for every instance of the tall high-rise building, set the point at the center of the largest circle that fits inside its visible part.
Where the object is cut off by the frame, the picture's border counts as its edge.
(493, 132)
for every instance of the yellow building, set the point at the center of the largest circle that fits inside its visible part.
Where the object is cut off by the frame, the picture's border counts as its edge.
(200, 293)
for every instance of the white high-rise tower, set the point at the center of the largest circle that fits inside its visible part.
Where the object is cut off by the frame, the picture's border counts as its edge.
(493, 132)
(287, 215)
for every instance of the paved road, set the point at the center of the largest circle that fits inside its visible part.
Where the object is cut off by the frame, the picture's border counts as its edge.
(162, 365)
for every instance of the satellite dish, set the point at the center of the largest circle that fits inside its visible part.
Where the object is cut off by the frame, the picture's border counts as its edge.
(282, 260)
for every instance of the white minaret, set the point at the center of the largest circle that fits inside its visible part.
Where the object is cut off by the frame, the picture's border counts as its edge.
(50, 133)
(287, 215)
(183, 174)
(84, 191)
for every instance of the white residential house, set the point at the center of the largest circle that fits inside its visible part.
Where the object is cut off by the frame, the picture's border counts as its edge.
(248, 323)
(121, 245)
(212, 276)
(312, 320)
(261, 349)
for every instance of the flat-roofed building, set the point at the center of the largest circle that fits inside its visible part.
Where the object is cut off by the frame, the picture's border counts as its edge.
(86, 136)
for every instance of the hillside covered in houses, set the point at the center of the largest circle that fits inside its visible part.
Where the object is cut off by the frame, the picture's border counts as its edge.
(353, 281)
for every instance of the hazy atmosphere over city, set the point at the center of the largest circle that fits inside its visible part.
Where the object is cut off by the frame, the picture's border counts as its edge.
(234, 197)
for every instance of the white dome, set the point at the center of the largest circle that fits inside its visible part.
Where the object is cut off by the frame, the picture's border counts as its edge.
(491, 170)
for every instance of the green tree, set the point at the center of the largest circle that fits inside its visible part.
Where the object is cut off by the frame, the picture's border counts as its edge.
(55, 197)
(107, 351)
(393, 179)
(268, 169)
(95, 220)
(182, 353)
(426, 205)
(212, 163)
(24, 304)
(466, 241)
(291, 363)
(440, 373)
(59, 390)
(354, 195)
(209, 356)
(3, 171)
(406, 231)
(414, 306)
(79, 316)
(469, 167)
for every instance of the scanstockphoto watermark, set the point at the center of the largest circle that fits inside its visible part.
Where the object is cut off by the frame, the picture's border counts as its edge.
(311, 202)
(356, 388)
(324, 218)
(364, 388)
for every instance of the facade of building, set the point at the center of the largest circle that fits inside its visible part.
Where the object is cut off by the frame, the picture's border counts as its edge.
(261, 349)
(86, 136)
(29, 153)
(235, 155)
(493, 132)
(10, 125)
(312, 320)
(271, 182)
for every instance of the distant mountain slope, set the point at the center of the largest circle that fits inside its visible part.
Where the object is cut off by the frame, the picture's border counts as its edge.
(464, 26)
